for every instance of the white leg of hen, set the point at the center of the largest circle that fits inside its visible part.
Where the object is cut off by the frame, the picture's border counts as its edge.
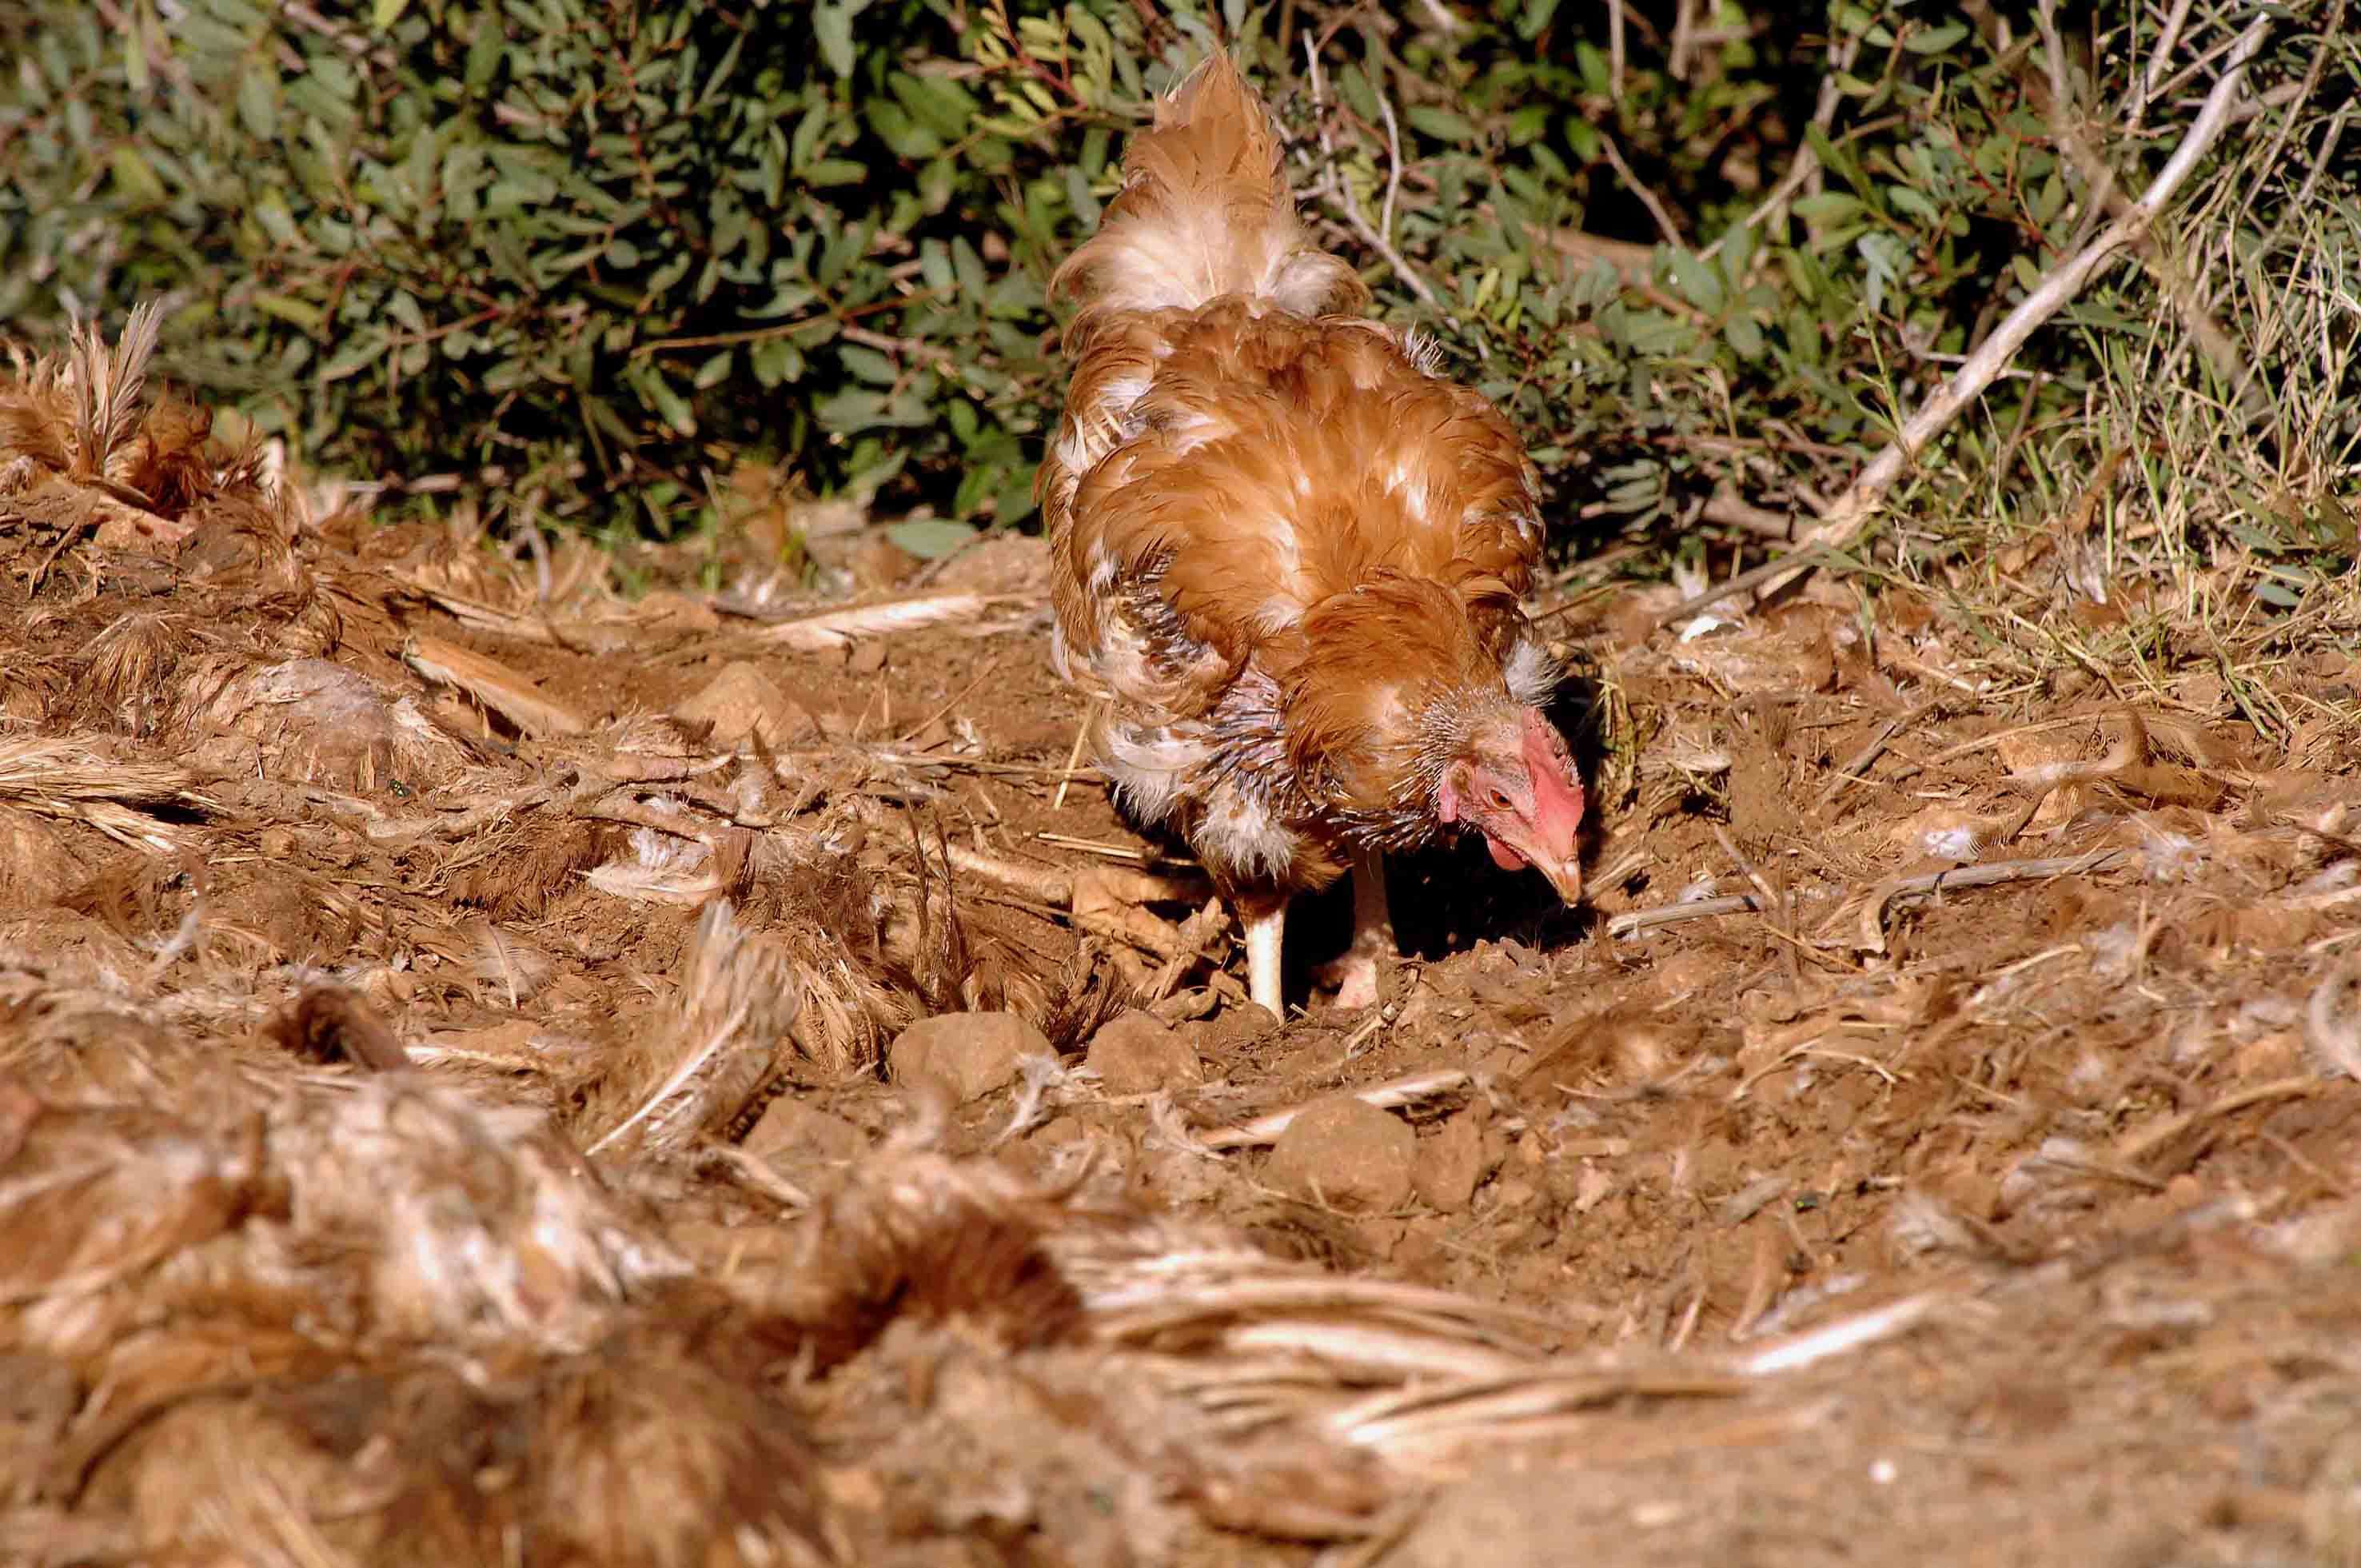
(1355, 975)
(1265, 932)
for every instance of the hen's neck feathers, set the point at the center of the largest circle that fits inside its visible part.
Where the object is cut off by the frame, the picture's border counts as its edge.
(1204, 212)
(1394, 680)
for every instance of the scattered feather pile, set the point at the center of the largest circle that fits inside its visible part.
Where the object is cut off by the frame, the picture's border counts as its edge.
(375, 1317)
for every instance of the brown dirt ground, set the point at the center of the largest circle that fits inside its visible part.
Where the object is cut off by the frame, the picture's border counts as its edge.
(2070, 1165)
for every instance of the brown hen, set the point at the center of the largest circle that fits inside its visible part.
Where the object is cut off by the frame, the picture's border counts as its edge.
(1289, 552)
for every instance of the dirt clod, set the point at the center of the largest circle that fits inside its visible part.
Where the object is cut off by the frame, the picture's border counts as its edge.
(1500, 1516)
(964, 1055)
(799, 1132)
(1450, 1164)
(744, 705)
(1345, 1153)
(1134, 1053)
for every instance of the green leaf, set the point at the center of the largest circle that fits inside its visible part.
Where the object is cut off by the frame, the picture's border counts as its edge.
(1696, 281)
(135, 177)
(257, 101)
(658, 394)
(868, 365)
(1353, 86)
(1442, 124)
(832, 26)
(353, 357)
(383, 13)
(485, 49)
(776, 361)
(931, 538)
(1910, 203)
(295, 313)
(1828, 209)
(135, 50)
(1935, 40)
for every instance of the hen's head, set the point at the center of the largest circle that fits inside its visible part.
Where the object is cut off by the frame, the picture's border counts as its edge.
(1418, 717)
(1508, 775)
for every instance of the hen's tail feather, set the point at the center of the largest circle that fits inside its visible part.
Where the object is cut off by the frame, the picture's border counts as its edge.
(1204, 212)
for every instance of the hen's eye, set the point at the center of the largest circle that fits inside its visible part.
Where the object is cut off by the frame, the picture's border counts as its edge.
(1500, 801)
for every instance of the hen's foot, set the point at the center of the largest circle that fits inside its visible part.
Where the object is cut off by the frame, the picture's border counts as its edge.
(1354, 977)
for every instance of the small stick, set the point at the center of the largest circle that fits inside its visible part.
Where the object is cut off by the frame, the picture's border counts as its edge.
(1732, 510)
(1637, 920)
(918, 729)
(1873, 914)
(1648, 199)
(1074, 757)
(1195, 932)
(1849, 771)
(1385, 1096)
(833, 629)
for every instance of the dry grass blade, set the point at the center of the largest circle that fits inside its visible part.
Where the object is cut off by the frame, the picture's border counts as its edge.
(494, 685)
(1473, 1410)
(834, 629)
(62, 778)
(1385, 1096)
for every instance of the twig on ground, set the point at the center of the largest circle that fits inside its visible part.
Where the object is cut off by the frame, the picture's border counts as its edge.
(1195, 932)
(1879, 899)
(815, 633)
(1385, 1096)
(2136, 1150)
(1849, 772)
(1074, 757)
(1883, 896)
(1633, 921)
(1851, 1333)
(493, 683)
(1797, 562)
(1730, 511)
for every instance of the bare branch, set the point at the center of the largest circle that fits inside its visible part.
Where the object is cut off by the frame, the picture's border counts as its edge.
(1851, 511)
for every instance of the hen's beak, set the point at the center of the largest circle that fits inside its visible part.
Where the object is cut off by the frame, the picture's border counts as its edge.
(1562, 867)
(1565, 877)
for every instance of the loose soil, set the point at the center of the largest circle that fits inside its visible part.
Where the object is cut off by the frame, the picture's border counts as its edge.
(1889, 1217)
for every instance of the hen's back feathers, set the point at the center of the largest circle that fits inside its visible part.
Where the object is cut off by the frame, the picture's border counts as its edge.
(1204, 212)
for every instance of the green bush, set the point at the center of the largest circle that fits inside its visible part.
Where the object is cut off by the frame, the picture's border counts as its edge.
(584, 254)
(565, 249)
